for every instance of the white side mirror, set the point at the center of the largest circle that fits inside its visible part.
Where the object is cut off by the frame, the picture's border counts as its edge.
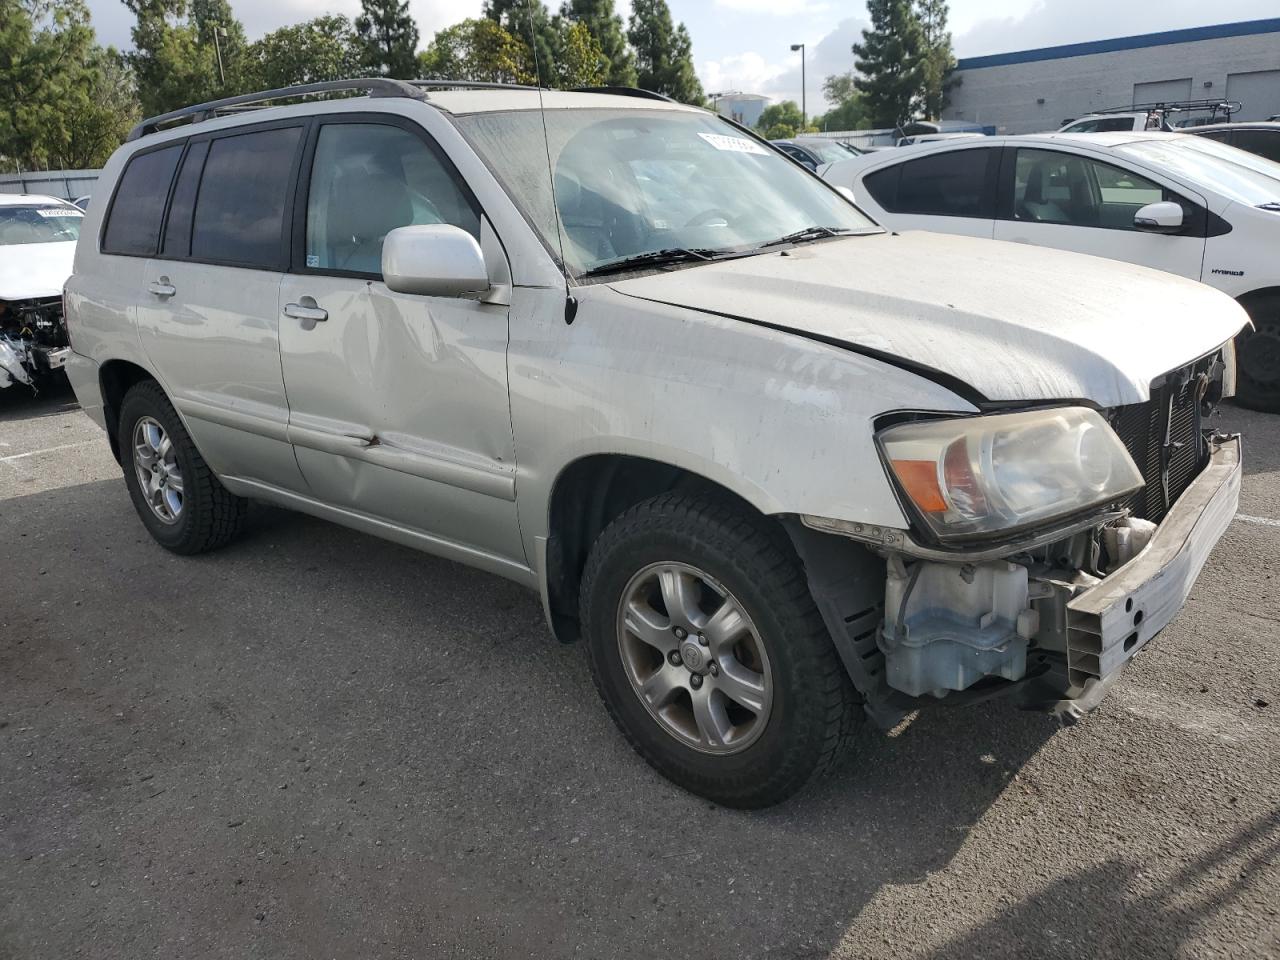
(434, 260)
(1162, 217)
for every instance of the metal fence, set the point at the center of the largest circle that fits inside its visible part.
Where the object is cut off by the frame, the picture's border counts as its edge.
(65, 184)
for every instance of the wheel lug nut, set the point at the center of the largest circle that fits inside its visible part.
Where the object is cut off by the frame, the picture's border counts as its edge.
(680, 632)
(675, 658)
(695, 681)
(702, 640)
(714, 668)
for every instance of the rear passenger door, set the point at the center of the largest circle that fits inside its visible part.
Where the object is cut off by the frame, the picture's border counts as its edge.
(399, 404)
(208, 308)
(947, 191)
(1073, 201)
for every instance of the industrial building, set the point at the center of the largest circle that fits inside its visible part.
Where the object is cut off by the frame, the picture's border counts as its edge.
(1032, 91)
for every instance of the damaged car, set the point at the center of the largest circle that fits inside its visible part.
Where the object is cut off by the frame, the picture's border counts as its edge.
(37, 244)
(776, 468)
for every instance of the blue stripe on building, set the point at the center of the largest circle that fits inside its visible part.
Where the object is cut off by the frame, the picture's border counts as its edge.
(1218, 32)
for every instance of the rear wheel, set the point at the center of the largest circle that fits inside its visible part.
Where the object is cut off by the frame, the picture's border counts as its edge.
(1258, 357)
(708, 651)
(179, 500)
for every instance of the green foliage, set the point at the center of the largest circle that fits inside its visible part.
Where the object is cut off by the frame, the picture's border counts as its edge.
(939, 61)
(849, 112)
(664, 53)
(388, 38)
(477, 50)
(605, 26)
(325, 48)
(890, 62)
(64, 100)
(175, 59)
(582, 62)
(780, 121)
(529, 22)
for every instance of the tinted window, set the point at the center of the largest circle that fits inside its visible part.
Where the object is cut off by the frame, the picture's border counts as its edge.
(1265, 143)
(177, 231)
(1065, 188)
(367, 180)
(883, 186)
(948, 184)
(239, 214)
(1222, 136)
(133, 226)
(1101, 125)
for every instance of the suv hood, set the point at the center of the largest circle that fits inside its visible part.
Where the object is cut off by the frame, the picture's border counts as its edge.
(35, 270)
(1011, 321)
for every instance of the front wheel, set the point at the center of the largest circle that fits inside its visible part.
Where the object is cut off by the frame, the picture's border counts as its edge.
(1258, 357)
(709, 653)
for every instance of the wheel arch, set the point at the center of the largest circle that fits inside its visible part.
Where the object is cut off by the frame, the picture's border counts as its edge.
(1253, 296)
(115, 379)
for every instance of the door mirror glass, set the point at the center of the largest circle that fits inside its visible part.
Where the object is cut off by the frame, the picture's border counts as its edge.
(434, 260)
(1162, 217)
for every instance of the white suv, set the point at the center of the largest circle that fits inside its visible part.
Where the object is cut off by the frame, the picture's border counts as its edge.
(1175, 202)
(777, 467)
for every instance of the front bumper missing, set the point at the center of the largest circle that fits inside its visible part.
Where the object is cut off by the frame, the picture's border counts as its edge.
(1110, 622)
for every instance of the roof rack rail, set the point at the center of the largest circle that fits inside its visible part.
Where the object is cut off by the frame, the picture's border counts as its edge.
(625, 92)
(373, 86)
(468, 85)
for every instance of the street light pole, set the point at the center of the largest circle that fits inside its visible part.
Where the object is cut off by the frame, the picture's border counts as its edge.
(217, 49)
(804, 105)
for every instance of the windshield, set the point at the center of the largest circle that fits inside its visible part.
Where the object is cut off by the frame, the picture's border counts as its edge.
(632, 182)
(828, 151)
(1244, 177)
(39, 223)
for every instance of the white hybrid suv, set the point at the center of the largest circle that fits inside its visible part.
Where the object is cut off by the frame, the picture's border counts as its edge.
(777, 467)
(1180, 203)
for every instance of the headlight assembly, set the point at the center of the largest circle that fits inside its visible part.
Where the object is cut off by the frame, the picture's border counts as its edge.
(976, 476)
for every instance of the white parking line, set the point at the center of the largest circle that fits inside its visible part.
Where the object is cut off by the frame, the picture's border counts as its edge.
(1264, 521)
(36, 453)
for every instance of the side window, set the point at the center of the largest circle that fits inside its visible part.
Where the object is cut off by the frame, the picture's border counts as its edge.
(368, 179)
(948, 184)
(1265, 143)
(177, 231)
(1222, 136)
(883, 186)
(133, 225)
(1072, 190)
(240, 207)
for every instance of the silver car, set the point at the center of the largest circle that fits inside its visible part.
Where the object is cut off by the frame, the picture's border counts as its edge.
(777, 468)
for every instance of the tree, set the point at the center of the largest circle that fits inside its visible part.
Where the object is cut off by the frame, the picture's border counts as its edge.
(890, 61)
(664, 52)
(529, 22)
(780, 121)
(606, 27)
(849, 112)
(325, 48)
(64, 100)
(175, 57)
(388, 37)
(939, 61)
(582, 62)
(478, 50)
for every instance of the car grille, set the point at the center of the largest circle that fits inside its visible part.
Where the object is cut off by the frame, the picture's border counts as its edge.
(1165, 440)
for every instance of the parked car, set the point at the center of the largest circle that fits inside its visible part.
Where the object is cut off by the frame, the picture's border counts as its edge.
(934, 138)
(777, 467)
(1179, 203)
(813, 152)
(1115, 123)
(37, 242)
(1258, 137)
(82, 202)
(1153, 116)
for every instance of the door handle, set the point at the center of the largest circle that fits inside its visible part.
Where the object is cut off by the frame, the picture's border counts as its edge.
(162, 288)
(306, 311)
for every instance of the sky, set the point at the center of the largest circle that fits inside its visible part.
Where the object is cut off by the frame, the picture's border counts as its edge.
(745, 44)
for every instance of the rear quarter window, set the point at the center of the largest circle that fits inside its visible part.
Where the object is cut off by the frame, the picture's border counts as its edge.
(133, 223)
(952, 183)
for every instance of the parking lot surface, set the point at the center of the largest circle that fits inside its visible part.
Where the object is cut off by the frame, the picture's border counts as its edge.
(317, 744)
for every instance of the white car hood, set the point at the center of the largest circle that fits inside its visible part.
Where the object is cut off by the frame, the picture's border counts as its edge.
(1012, 321)
(31, 270)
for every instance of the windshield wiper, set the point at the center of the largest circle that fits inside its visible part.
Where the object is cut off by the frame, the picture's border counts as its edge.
(805, 235)
(653, 258)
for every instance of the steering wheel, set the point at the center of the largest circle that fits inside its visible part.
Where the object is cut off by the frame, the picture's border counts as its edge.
(705, 218)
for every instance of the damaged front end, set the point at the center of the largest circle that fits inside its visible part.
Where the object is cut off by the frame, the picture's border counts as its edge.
(1053, 610)
(33, 340)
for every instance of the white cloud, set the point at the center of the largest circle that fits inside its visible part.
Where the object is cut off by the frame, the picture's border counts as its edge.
(780, 8)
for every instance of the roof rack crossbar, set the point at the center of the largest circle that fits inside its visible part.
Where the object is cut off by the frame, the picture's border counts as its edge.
(1177, 106)
(373, 86)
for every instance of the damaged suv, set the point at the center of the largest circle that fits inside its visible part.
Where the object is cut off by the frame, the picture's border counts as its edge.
(37, 242)
(776, 467)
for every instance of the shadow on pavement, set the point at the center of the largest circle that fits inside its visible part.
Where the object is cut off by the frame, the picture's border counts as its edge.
(19, 402)
(314, 742)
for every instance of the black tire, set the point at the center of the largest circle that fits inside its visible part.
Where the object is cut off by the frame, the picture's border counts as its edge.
(814, 708)
(1258, 357)
(210, 516)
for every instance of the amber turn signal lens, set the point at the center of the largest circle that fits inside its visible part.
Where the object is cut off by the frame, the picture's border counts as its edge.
(919, 478)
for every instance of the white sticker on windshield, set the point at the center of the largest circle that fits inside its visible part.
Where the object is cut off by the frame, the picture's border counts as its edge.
(733, 144)
(58, 212)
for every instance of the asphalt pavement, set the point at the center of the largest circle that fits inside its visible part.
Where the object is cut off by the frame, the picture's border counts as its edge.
(316, 744)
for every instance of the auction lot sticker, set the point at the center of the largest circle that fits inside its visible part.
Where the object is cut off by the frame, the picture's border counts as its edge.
(733, 144)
